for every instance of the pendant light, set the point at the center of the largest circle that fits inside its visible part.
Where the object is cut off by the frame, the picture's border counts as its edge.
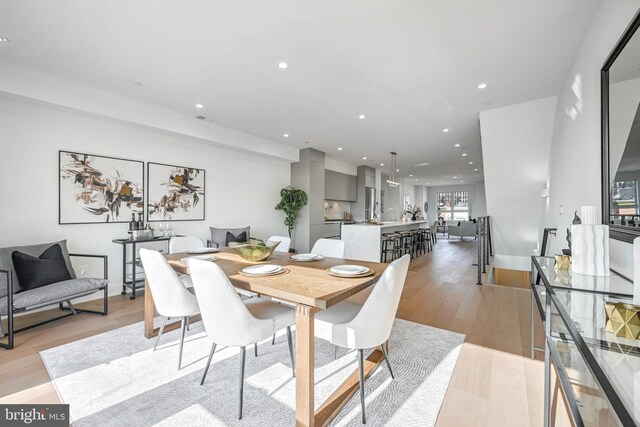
(393, 181)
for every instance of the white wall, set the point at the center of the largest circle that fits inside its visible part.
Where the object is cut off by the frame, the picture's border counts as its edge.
(241, 188)
(574, 161)
(340, 166)
(515, 151)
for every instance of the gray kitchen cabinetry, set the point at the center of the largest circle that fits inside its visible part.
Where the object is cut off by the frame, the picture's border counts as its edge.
(340, 186)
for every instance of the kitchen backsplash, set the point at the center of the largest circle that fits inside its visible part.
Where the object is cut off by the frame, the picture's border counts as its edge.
(334, 209)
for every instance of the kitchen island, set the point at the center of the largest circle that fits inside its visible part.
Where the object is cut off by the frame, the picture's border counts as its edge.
(363, 241)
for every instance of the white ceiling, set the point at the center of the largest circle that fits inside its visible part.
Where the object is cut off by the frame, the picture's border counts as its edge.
(412, 66)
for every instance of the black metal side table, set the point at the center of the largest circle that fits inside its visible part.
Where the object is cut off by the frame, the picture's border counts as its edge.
(131, 280)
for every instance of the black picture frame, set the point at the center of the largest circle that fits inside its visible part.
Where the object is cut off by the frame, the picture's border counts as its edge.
(202, 202)
(124, 219)
(617, 232)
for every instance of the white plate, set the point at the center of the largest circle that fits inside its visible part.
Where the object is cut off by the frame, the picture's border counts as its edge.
(306, 257)
(349, 270)
(202, 250)
(200, 257)
(262, 269)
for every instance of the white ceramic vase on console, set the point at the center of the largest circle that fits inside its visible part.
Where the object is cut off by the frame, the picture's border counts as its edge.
(590, 244)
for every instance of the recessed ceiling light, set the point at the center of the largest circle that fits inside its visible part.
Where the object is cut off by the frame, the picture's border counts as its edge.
(445, 130)
(482, 86)
(381, 164)
(456, 145)
(476, 169)
(470, 163)
(362, 116)
(4, 39)
(455, 177)
(410, 175)
(339, 148)
(397, 170)
(283, 65)
(416, 180)
(286, 135)
(199, 106)
(364, 158)
(464, 154)
(427, 183)
(461, 181)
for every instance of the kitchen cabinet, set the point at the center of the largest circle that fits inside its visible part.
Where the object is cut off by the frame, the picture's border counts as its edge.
(331, 230)
(340, 186)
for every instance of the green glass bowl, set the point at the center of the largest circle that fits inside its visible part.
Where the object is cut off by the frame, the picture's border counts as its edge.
(252, 251)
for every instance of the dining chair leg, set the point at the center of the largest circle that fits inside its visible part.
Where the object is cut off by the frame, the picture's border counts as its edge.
(291, 353)
(206, 369)
(255, 349)
(164, 321)
(242, 359)
(361, 366)
(386, 359)
(188, 322)
(184, 329)
(335, 352)
(273, 340)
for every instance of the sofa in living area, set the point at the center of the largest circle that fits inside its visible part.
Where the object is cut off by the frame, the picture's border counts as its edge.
(463, 229)
(34, 276)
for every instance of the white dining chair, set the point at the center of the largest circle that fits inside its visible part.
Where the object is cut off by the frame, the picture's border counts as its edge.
(183, 244)
(171, 298)
(232, 322)
(330, 248)
(354, 326)
(283, 246)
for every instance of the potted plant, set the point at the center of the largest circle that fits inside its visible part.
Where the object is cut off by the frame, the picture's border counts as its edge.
(291, 201)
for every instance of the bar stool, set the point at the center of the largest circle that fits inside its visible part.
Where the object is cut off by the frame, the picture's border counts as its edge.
(406, 243)
(390, 245)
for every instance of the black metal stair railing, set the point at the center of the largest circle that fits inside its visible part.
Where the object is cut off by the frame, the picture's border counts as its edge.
(485, 245)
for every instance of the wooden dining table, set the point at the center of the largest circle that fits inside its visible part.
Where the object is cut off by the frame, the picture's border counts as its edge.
(311, 288)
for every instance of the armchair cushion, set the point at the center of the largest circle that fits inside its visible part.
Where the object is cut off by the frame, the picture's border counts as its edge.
(34, 272)
(55, 292)
(6, 262)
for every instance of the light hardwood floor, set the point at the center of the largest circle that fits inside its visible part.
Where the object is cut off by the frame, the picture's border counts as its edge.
(495, 383)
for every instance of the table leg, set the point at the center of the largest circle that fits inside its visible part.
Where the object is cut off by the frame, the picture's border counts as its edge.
(149, 312)
(124, 269)
(305, 365)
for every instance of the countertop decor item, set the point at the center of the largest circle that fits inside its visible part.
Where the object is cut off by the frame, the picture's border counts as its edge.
(623, 319)
(291, 201)
(590, 249)
(563, 262)
(255, 251)
(589, 215)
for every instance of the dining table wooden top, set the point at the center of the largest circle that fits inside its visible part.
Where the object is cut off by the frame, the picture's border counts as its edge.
(307, 283)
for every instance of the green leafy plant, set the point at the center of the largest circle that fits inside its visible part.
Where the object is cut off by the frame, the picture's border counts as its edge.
(292, 200)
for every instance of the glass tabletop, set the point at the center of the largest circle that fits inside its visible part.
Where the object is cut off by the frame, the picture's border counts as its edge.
(618, 357)
(566, 279)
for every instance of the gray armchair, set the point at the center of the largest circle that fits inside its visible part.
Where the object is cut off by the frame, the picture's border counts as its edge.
(13, 300)
(219, 235)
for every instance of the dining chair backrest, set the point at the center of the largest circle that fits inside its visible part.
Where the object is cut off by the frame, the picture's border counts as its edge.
(331, 248)
(169, 294)
(372, 325)
(285, 243)
(226, 319)
(184, 244)
(434, 227)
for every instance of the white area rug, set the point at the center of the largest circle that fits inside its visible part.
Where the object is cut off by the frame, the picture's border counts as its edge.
(115, 379)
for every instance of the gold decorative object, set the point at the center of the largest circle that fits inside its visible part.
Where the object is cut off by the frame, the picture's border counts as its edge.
(563, 262)
(254, 252)
(623, 319)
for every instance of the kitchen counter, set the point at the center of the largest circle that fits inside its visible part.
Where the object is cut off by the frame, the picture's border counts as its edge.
(363, 241)
(388, 224)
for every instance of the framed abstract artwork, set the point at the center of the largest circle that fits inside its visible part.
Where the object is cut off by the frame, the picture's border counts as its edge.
(97, 189)
(176, 193)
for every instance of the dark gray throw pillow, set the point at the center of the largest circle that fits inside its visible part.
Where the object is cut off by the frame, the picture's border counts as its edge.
(49, 267)
(240, 238)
